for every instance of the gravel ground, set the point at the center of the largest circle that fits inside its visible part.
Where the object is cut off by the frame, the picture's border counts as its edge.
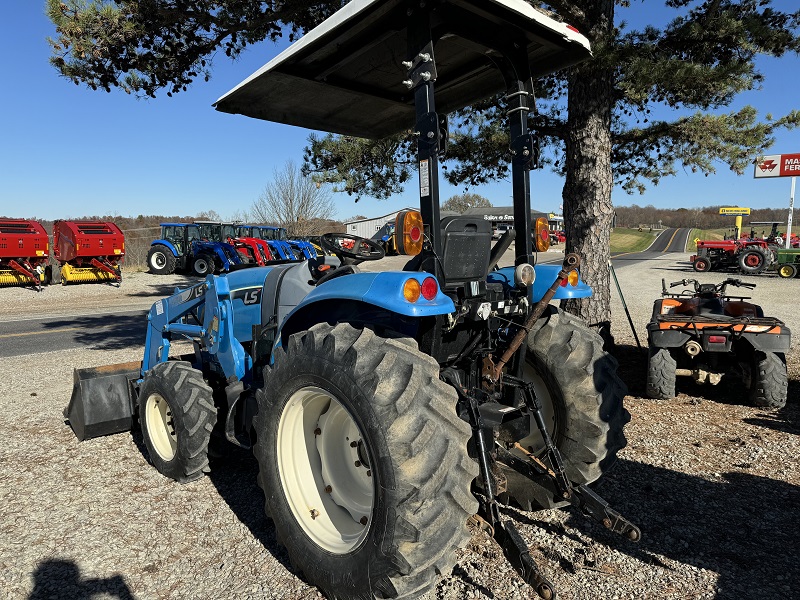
(713, 484)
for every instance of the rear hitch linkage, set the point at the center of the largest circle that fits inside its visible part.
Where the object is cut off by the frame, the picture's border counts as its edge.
(552, 478)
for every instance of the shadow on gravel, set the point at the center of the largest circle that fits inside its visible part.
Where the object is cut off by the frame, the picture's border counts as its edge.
(235, 477)
(104, 332)
(62, 579)
(743, 527)
(786, 420)
(163, 290)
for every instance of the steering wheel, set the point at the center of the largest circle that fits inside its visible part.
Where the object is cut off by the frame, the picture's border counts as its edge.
(351, 247)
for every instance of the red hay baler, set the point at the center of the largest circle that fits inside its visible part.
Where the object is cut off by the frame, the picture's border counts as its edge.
(24, 252)
(89, 251)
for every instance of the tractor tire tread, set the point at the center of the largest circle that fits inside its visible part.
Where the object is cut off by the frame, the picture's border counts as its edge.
(434, 501)
(192, 397)
(562, 345)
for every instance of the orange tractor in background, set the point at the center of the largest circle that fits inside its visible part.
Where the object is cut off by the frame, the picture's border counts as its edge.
(24, 253)
(88, 251)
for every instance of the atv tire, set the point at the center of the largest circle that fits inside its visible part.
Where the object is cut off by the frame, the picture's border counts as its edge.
(161, 260)
(581, 396)
(701, 264)
(769, 385)
(203, 264)
(660, 374)
(177, 414)
(363, 462)
(753, 261)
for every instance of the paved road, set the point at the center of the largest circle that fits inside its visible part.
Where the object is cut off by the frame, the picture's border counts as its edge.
(114, 330)
(107, 331)
(669, 240)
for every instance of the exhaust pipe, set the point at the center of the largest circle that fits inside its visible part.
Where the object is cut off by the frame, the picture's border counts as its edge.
(103, 400)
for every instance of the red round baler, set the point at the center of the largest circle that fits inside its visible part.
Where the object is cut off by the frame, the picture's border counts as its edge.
(88, 251)
(24, 252)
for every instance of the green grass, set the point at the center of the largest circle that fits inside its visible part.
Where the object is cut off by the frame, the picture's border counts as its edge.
(630, 240)
(705, 234)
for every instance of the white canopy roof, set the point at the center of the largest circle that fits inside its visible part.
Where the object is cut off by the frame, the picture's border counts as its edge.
(345, 76)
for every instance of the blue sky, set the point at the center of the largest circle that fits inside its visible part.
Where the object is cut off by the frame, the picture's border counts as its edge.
(67, 151)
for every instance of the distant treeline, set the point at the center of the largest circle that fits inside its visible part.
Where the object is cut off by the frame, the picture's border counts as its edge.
(707, 217)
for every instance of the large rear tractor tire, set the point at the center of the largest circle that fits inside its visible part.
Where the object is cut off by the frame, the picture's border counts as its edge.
(363, 462)
(753, 261)
(177, 414)
(770, 383)
(660, 374)
(581, 396)
(161, 260)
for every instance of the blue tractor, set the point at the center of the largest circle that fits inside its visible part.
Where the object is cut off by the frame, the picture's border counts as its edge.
(190, 247)
(286, 248)
(386, 409)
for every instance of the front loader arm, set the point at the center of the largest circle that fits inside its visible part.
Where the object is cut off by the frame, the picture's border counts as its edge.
(210, 301)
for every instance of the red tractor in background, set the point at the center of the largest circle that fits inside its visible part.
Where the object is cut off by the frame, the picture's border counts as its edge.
(88, 251)
(750, 257)
(24, 253)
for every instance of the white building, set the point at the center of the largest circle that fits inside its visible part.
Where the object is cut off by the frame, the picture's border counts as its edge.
(367, 228)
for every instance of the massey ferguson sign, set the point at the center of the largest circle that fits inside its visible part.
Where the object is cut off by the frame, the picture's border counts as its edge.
(778, 165)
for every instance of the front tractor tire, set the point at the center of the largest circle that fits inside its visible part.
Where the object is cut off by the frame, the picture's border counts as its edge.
(203, 265)
(660, 374)
(177, 414)
(787, 271)
(161, 260)
(701, 264)
(363, 462)
(581, 395)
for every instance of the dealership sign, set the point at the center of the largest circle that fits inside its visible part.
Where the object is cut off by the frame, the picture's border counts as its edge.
(778, 165)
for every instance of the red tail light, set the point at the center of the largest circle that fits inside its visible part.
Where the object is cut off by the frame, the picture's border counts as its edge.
(429, 288)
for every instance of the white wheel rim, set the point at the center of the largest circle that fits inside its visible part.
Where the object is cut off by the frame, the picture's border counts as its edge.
(534, 443)
(201, 266)
(158, 260)
(323, 467)
(160, 427)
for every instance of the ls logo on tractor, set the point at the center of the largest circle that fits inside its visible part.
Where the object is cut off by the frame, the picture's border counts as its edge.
(248, 296)
(193, 293)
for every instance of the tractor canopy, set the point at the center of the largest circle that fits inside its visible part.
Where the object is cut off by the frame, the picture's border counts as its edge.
(347, 75)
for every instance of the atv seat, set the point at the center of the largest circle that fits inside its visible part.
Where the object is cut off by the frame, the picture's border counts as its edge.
(743, 309)
(699, 306)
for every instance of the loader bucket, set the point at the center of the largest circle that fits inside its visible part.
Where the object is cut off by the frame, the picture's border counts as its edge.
(103, 400)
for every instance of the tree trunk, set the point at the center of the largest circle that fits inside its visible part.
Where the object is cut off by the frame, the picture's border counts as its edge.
(587, 190)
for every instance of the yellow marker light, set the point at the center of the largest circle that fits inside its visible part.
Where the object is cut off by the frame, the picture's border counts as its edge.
(408, 232)
(411, 290)
(542, 234)
(572, 278)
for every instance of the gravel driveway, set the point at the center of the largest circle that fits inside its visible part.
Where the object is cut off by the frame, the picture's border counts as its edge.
(712, 483)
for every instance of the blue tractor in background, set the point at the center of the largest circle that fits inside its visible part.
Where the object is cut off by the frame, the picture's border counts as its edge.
(190, 247)
(387, 409)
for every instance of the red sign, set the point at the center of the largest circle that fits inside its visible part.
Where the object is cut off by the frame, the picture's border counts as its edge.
(778, 165)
